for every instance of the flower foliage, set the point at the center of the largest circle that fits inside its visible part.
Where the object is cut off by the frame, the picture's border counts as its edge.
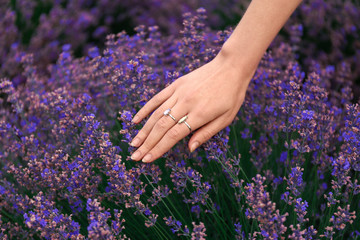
(286, 168)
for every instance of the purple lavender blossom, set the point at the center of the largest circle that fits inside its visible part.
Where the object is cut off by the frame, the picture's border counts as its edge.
(263, 210)
(65, 125)
(198, 231)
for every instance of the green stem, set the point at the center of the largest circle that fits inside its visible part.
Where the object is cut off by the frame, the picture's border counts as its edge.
(241, 169)
(158, 230)
(166, 206)
(235, 136)
(218, 217)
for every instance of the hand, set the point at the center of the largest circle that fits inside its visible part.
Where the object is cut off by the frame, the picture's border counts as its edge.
(210, 96)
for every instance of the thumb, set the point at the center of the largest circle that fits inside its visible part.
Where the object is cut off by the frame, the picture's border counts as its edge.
(206, 132)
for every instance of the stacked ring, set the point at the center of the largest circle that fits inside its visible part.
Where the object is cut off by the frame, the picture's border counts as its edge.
(182, 120)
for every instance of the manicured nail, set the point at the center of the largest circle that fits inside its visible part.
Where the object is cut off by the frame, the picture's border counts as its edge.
(135, 119)
(194, 146)
(135, 142)
(136, 155)
(147, 158)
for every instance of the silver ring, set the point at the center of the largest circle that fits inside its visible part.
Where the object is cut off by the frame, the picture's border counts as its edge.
(182, 120)
(167, 113)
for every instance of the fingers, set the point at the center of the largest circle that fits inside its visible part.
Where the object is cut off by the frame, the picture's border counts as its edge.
(150, 135)
(153, 103)
(154, 118)
(175, 134)
(207, 131)
(172, 136)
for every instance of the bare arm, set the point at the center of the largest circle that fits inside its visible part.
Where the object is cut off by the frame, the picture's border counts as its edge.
(258, 27)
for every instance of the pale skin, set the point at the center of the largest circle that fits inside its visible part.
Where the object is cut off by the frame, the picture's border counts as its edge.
(211, 95)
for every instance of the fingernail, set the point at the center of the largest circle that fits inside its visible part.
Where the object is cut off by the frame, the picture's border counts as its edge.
(135, 155)
(135, 119)
(147, 158)
(194, 146)
(135, 142)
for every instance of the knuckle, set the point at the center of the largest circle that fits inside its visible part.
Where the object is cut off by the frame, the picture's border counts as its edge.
(145, 130)
(162, 124)
(206, 134)
(174, 134)
(202, 114)
(156, 113)
(189, 98)
(156, 99)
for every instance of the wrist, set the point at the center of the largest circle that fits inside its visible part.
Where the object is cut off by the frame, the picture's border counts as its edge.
(245, 66)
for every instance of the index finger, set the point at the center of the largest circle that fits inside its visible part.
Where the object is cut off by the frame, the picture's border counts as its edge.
(153, 103)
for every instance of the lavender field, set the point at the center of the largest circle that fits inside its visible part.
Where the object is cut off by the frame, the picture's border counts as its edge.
(74, 73)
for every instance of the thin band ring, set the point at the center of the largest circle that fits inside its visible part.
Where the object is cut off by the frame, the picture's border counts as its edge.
(182, 120)
(167, 113)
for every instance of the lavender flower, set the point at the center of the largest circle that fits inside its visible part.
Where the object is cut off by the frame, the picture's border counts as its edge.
(68, 93)
(342, 217)
(295, 181)
(239, 233)
(263, 210)
(176, 226)
(198, 232)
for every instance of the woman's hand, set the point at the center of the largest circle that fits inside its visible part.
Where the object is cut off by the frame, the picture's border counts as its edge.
(210, 96)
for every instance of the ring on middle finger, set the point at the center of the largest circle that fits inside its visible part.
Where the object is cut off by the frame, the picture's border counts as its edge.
(182, 120)
(167, 113)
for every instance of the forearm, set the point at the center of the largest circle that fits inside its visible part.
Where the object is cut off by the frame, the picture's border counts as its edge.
(258, 27)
